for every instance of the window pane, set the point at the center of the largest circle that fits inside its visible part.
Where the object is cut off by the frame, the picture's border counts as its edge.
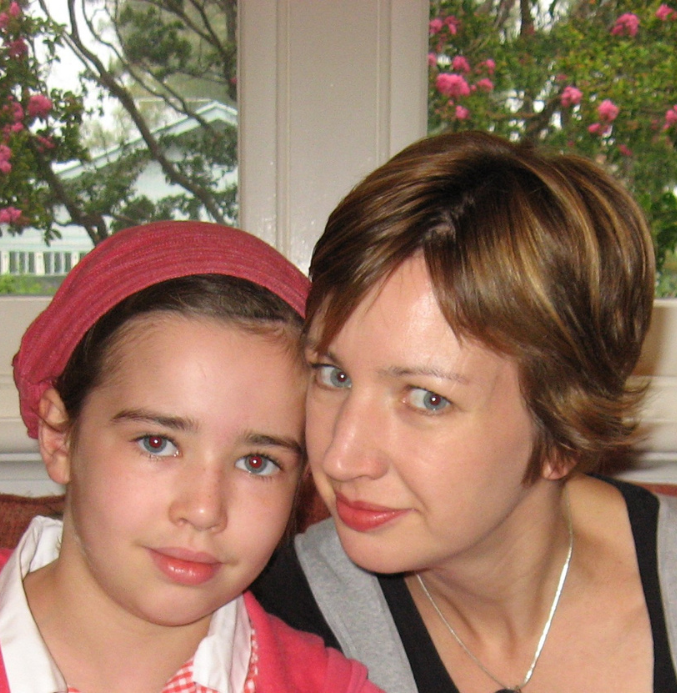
(181, 71)
(598, 79)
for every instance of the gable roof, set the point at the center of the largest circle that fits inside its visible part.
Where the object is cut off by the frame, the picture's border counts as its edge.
(210, 112)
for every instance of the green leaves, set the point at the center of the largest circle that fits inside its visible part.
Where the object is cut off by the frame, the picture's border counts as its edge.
(620, 52)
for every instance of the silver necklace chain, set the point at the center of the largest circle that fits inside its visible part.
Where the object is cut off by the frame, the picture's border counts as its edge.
(546, 628)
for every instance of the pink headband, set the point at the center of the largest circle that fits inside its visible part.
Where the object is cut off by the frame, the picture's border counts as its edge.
(127, 262)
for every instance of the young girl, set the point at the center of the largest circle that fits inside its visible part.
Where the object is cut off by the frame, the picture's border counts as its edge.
(165, 386)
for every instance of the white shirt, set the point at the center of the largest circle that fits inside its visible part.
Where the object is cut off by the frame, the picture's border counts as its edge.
(221, 660)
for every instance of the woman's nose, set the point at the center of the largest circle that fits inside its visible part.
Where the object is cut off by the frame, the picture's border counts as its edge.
(200, 499)
(355, 444)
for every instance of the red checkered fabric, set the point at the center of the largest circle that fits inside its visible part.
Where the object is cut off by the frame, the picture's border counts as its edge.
(182, 681)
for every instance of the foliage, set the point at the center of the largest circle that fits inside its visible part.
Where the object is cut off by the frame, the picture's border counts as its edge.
(596, 78)
(159, 61)
(12, 284)
(39, 126)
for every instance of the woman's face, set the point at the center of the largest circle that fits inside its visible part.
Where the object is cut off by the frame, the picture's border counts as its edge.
(418, 443)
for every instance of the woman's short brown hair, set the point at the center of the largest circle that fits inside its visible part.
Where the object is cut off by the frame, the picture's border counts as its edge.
(543, 258)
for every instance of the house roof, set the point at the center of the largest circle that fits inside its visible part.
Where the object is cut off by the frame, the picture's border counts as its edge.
(211, 112)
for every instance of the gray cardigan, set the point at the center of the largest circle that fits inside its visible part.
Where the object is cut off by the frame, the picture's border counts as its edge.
(365, 628)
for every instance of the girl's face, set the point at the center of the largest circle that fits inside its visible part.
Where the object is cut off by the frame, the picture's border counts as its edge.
(184, 468)
(418, 443)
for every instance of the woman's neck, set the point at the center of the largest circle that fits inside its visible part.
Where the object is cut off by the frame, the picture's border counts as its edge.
(503, 585)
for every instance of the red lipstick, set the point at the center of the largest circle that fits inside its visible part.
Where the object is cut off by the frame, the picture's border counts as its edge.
(185, 567)
(363, 517)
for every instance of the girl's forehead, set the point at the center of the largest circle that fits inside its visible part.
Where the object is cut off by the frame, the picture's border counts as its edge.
(161, 333)
(171, 363)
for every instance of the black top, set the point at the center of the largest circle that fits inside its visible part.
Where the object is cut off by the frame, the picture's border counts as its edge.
(283, 590)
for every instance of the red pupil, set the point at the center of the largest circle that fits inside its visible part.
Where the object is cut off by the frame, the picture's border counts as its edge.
(155, 442)
(256, 461)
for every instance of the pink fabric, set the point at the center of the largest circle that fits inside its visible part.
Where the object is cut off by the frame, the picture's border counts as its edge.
(296, 662)
(127, 262)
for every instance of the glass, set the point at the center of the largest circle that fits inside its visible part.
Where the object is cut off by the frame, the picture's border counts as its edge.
(161, 143)
(597, 79)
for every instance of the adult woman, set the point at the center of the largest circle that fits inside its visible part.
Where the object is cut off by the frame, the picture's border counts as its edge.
(476, 311)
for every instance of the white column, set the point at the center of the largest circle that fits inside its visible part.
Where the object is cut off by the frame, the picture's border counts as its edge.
(39, 263)
(328, 91)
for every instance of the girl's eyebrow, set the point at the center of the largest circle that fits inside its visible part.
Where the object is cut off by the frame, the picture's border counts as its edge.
(253, 438)
(176, 423)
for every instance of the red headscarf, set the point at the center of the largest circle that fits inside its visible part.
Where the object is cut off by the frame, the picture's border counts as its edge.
(127, 262)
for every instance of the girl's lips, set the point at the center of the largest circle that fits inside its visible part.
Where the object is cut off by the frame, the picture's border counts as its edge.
(185, 567)
(363, 517)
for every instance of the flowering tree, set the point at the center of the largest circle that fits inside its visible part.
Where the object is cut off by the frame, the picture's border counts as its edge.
(39, 127)
(145, 56)
(596, 78)
(150, 57)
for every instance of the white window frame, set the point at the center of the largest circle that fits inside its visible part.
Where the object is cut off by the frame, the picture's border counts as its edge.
(329, 89)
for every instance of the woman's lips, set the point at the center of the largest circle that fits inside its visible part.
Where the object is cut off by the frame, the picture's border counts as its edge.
(185, 567)
(363, 517)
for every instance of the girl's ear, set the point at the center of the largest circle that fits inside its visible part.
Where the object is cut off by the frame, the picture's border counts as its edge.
(53, 436)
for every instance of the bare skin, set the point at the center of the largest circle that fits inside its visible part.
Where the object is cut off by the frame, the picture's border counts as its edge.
(600, 638)
(180, 480)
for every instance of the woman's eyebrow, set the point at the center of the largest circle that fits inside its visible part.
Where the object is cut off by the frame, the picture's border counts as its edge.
(176, 423)
(428, 371)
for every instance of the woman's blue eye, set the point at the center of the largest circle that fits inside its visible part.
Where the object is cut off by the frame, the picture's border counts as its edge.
(258, 465)
(158, 446)
(331, 376)
(427, 400)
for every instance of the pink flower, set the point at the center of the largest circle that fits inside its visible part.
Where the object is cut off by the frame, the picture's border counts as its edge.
(670, 117)
(596, 129)
(435, 25)
(462, 113)
(485, 84)
(16, 127)
(608, 111)
(17, 48)
(45, 142)
(452, 85)
(14, 9)
(5, 153)
(460, 64)
(4, 20)
(626, 25)
(39, 106)
(625, 151)
(8, 215)
(432, 60)
(664, 13)
(571, 96)
(17, 111)
(5, 166)
(452, 24)
(490, 65)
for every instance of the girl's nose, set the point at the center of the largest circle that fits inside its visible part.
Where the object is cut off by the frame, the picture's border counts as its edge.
(200, 499)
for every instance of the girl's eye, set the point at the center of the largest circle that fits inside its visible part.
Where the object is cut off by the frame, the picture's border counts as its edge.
(331, 376)
(258, 465)
(427, 401)
(158, 446)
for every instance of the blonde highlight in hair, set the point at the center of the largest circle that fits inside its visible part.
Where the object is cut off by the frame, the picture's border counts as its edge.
(543, 258)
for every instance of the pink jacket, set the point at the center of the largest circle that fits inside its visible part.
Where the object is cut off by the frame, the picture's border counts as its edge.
(289, 661)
